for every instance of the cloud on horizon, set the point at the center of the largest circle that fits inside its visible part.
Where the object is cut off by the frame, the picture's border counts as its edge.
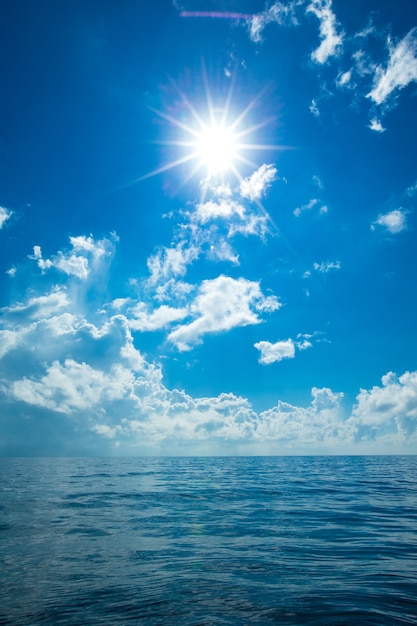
(91, 374)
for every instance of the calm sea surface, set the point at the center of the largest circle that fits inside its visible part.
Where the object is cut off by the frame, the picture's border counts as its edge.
(201, 541)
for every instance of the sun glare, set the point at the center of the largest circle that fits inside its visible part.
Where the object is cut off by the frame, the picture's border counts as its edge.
(213, 141)
(216, 147)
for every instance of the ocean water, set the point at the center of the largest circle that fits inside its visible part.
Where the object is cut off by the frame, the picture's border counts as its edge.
(209, 541)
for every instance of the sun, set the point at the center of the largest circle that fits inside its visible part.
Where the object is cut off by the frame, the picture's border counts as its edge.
(217, 148)
(213, 141)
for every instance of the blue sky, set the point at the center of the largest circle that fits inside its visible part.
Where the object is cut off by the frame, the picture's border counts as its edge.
(208, 223)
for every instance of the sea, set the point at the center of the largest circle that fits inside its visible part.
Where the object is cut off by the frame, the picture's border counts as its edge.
(208, 541)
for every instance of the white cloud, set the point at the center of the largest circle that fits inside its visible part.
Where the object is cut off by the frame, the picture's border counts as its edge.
(400, 70)
(253, 225)
(120, 303)
(280, 13)
(38, 307)
(331, 40)
(5, 214)
(86, 254)
(275, 352)
(314, 203)
(344, 78)
(306, 207)
(410, 191)
(390, 407)
(222, 251)
(256, 185)
(376, 126)
(171, 262)
(320, 424)
(326, 266)
(314, 109)
(159, 318)
(64, 388)
(222, 304)
(9, 339)
(95, 378)
(394, 221)
(318, 182)
(224, 208)
(323, 268)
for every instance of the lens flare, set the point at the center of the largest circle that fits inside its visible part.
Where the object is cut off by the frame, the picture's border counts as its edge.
(213, 141)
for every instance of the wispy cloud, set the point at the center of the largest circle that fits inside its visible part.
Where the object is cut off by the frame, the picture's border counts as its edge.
(331, 39)
(141, 319)
(376, 125)
(5, 214)
(256, 185)
(314, 203)
(280, 13)
(37, 307)
(394, 221)
(314, 109)
(344, 78)
(224, 208)
(400, 70)
(169, 262)
(412, 189)
(323, 267)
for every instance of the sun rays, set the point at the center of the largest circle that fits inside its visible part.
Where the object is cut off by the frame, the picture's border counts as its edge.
(212, 140)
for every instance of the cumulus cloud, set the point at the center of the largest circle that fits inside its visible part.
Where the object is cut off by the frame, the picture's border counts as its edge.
(256, 185)
(331, 39)
(393, 406)
(86, 254)
(5, 214)
(400, 70)
(37, 307)
(220, 305)
(320, 424)
(96, 380)
(279, 12)
(394, 221)
(65, 387)
(275, 352)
